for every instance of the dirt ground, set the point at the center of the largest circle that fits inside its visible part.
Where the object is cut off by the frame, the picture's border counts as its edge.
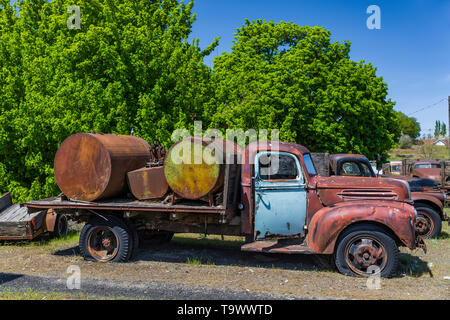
(193, 260)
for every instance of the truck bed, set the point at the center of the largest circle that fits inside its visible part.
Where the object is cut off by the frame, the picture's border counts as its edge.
(127, 205)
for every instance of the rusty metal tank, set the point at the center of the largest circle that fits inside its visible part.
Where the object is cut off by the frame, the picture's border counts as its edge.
(93, 166)
(195, 167)
(148, 183)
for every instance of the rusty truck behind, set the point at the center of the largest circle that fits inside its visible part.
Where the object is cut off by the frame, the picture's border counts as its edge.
(271, 194)
(428, 199)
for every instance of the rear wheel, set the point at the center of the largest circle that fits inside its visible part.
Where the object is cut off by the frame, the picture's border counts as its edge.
(61, 228)
(106, 240)
(365, 250)
(428, 221)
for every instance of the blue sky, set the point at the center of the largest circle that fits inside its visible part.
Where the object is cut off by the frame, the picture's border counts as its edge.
(411, 50)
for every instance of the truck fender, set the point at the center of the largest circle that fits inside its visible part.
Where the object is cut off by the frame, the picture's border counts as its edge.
(327, 224)
(50, 220)
(423, 198)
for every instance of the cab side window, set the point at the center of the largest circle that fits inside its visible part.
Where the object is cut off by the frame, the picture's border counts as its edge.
(277, 167)
(350, 169)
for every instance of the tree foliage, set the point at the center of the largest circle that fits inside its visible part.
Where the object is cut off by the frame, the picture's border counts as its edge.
(129, 64)
(408, 125)
(405, 142)
(440, 129)
(293, 78)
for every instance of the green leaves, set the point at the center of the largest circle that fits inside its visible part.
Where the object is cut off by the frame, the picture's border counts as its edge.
(408, 125)
(281, 75)
(130, 63)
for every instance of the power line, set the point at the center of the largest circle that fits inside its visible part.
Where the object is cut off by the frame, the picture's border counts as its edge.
(431, 105)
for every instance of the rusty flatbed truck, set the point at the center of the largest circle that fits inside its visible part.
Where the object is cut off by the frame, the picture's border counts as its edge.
(286, 210)
(428, 199)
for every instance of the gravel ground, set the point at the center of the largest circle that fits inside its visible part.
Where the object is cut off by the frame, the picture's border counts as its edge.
(128, 289)
(196, 268)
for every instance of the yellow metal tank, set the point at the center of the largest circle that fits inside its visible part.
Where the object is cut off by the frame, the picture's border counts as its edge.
(195, 167)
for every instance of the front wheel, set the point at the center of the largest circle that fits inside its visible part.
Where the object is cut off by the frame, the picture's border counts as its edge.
(428, 222)
(365, 250)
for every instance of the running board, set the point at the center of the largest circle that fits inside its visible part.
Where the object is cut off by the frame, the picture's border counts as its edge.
(274, 246)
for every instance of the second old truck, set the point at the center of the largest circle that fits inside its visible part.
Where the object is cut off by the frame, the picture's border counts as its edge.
(428, 199)
(274, 198)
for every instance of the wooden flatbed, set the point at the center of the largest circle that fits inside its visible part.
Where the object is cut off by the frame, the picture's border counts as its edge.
(125, 205)
(17, 223)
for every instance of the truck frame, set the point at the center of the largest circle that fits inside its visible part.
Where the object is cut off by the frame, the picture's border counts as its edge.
(280, 213)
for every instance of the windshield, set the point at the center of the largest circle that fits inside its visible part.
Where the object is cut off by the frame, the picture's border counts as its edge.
(427, 165)
(309, 164)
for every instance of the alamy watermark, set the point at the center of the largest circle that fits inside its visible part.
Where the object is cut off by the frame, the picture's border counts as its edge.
(74, 279)
(209, 151)
(74, 21)
(374, 20)
(374, 280)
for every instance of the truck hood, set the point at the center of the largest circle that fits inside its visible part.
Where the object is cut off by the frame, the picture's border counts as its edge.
(429, 173)
(336, 189)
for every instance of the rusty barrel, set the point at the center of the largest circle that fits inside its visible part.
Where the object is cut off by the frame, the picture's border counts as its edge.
(195, 167)
(92, 166)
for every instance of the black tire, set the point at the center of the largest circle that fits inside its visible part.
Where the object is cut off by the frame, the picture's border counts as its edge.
(370, 239)
(428, 221)
(100, 235)
(134, 238)
(61, 228)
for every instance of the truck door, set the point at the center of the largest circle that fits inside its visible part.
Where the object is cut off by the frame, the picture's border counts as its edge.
(280, 196)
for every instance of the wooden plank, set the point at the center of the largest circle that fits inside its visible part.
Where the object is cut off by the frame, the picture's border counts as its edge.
(322, 163)
(5, 201)
(14, 229)
(12, 212)
(16, 213)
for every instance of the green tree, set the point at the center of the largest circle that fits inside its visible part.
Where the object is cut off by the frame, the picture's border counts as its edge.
(408, 125)
(293, 78)
(405, 142)
(437, 129)
(443, 129)
(130, 63)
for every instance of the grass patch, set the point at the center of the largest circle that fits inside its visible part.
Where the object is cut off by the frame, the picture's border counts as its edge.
(29, 294)
(198, 261)
(416, 152)
(46, 241)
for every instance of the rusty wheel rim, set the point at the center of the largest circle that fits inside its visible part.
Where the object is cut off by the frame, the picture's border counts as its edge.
(103, 244)
(424, 224)
(364, 251)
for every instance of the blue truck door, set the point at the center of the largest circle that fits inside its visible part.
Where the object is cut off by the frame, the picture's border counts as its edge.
(280, 196)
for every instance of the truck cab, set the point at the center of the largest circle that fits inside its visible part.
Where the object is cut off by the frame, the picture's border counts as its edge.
(289, 208)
